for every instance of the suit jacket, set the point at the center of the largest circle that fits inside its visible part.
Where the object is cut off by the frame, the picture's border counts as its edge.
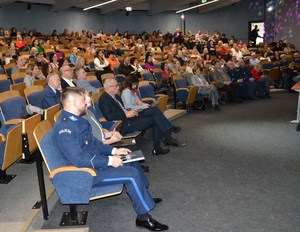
(64, 84)
(110, 109)
(220, 76)
(50, 98)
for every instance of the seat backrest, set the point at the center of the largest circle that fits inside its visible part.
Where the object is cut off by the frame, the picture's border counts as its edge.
(107, 75)
(4, 85)
(180, 83)
(42, 82)
(20, 88)
(34, 95)
(148, 76)
(11, 149)
(17, 77)
(52, 156)
(50, 113)
(146, 91)
(14, 107)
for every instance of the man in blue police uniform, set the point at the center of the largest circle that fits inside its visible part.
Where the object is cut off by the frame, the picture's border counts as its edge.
(74, 138)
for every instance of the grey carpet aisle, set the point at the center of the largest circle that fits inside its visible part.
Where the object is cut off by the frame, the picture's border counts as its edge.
(239, 173)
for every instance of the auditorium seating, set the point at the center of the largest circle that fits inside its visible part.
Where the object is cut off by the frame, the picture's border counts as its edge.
(73, 185)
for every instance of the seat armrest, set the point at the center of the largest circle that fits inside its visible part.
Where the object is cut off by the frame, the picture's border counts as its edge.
(14, 121)
(180, 89)
(91, 171)
(147, 99)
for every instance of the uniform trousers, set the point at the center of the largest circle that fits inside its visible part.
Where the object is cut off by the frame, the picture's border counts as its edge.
(135, 181)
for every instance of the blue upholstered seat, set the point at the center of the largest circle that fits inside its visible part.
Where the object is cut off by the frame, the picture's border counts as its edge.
(36, 98)
(73, 185)
(4, 85)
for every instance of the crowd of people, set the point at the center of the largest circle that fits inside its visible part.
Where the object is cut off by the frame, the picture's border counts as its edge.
(223, 69)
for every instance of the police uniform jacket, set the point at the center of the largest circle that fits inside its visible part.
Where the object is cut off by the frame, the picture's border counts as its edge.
(74, 138)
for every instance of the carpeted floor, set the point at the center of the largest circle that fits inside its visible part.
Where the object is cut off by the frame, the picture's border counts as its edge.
(239, 173)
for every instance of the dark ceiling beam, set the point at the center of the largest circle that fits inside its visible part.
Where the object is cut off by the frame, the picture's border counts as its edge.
(6, 2)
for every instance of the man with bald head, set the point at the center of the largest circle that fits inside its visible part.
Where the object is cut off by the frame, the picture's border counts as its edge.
(66, 74)
(112, 107)
(51, 95)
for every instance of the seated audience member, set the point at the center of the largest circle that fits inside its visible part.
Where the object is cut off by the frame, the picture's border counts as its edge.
(221, 77)
(82, 81)
(32, 73)
(296, 58)
(236, 79)
(189, 68)
(58, 52)
(113, 108)
(112, 60)
(36, 43)
(73, 136)
(207, 59)
(51, 94)
(54, 61)
(263, 81)
(184, 58)
(235, 51)
(130, 96)
(244, 72)
(253, 60)
(276, 56)
(74, 56)
(40, 60)
(166, 73)
(46, 69)
(80, 63)
(9, 54)
(62, 62)
(66, 77)
(126, 68)
(283, 60)
(224, 52)
(177, 69)
(204, 88)
(107, 137)
(292, 75)
(33, 52)
(288, 49)
(211, 48)
(149, 61)
(101, 64)
(136, 66)
(20, 64)
(20, 43)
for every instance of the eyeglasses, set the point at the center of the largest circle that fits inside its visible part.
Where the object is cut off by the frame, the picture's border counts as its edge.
(114, 86)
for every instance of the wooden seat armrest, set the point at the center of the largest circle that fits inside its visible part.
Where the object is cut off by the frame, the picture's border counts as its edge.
(102, 119)
(14, 121)
(149, 99)
(179, 89)
(2, 138)
(160, 95)
(70, 169)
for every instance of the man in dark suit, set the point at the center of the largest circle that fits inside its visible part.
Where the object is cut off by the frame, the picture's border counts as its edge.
(66, 77)
(112, 108)
(73, 136)
(51, 94)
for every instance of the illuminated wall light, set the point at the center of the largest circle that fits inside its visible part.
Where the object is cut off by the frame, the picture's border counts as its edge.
(270, 8)
(101, 4)
(182, 16)
(129, 8)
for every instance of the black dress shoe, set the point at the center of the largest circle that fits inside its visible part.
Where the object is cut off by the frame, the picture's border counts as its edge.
(175, 143)
(157, 200)
(217, 108)
(151, 224)
(160, 151)
(175, 129)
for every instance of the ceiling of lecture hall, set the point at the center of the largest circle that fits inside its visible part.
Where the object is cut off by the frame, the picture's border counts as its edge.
(151, 6)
